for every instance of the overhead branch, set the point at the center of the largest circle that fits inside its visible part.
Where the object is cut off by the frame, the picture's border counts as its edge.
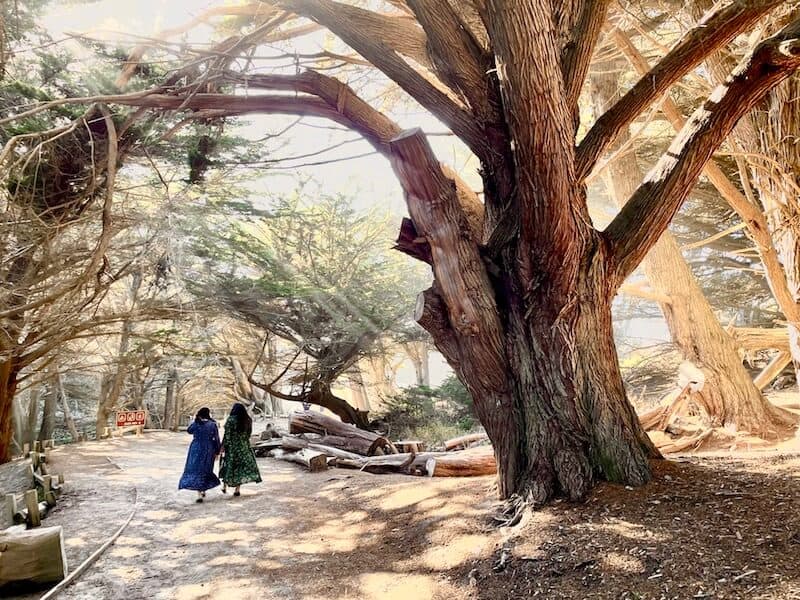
(380, 47)
(235, 105)
(577, 53)
(400, 33)
(646, 215)
(748, 212)
(710, 34)
(253, 9)
(459, 60)
(373, 125)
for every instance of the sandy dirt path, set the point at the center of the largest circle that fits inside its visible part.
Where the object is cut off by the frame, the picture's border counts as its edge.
(721, 527)
(294, 536)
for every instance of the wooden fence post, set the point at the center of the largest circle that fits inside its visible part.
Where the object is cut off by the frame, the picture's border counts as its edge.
(10, 507)
(32, 503)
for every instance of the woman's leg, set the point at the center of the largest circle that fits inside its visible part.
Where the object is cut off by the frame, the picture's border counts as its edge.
(199, 497)
(236, 491)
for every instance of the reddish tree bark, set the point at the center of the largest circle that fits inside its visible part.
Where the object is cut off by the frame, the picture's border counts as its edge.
(523, 283)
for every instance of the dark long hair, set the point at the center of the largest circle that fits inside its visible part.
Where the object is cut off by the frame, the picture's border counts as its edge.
(243, 421)
(203, 413)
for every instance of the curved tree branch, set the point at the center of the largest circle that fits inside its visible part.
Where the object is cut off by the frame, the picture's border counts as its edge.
(711, 33)
(646, 215)
(380, 48)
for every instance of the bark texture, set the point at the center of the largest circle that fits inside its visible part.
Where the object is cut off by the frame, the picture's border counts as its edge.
(729, 395)
(520, 305)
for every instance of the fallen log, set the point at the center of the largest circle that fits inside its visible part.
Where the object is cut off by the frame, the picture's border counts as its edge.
(297, 443)
(466, 463)
(464, 441)
(312, 460)
(31, 557)
(340, 435)
(461, 463)
(264, 448)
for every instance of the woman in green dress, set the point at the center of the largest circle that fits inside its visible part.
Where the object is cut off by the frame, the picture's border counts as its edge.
(238, 462)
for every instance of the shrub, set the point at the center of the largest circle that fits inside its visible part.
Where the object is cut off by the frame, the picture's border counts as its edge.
(430, 414)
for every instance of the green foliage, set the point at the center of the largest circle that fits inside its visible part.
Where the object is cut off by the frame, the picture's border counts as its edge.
(320, 275)
(430, 414)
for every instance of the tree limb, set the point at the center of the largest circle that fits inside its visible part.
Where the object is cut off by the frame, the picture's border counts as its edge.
(577, 54)
(646, 215)
(458, 59)
(712, 32)
(380, 48)
(748, 212)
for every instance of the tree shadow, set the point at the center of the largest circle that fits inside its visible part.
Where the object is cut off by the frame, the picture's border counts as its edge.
(703, 528)
(723, 527)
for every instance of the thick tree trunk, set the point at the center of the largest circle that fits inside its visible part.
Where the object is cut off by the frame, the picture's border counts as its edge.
(534, 346)
(9, 374)
(729, 394)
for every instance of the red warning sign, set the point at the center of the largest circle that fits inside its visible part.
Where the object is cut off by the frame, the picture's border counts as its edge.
(129, 418)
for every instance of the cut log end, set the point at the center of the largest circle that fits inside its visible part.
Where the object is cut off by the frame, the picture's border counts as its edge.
(32, 557)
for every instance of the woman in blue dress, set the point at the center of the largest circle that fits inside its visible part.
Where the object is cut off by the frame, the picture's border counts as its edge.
(198, 474)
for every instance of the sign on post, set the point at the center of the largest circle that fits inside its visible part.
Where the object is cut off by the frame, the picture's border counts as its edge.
(129, 418)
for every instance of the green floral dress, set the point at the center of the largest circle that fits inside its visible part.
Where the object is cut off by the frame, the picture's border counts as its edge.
(238, 464)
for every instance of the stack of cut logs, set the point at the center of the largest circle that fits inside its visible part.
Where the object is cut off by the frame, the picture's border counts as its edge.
(318, 442)
(30, 554)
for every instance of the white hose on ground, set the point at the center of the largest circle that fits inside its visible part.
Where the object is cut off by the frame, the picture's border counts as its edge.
(95, 555)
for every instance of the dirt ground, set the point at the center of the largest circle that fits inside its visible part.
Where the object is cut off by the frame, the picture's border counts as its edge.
(706, 527)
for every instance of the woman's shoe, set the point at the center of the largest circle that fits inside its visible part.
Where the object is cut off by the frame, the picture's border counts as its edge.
(236, 494)
(199, 500)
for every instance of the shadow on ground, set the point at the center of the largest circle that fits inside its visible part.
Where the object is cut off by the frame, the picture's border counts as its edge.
(705, 528)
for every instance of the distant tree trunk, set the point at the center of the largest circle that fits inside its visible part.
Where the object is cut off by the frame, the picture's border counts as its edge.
(358, 389)
(49, 409)
(9, 374)
(729, 395)
(111, 389)
(767, 136)
(272, 353)
(69, 422)
(774, 160)
(241, 383)
(170, 401)
(418, 353)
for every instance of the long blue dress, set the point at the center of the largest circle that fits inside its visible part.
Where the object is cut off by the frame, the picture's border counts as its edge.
(199, 471)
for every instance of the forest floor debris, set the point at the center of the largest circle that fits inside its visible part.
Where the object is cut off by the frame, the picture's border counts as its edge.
(706, 527)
